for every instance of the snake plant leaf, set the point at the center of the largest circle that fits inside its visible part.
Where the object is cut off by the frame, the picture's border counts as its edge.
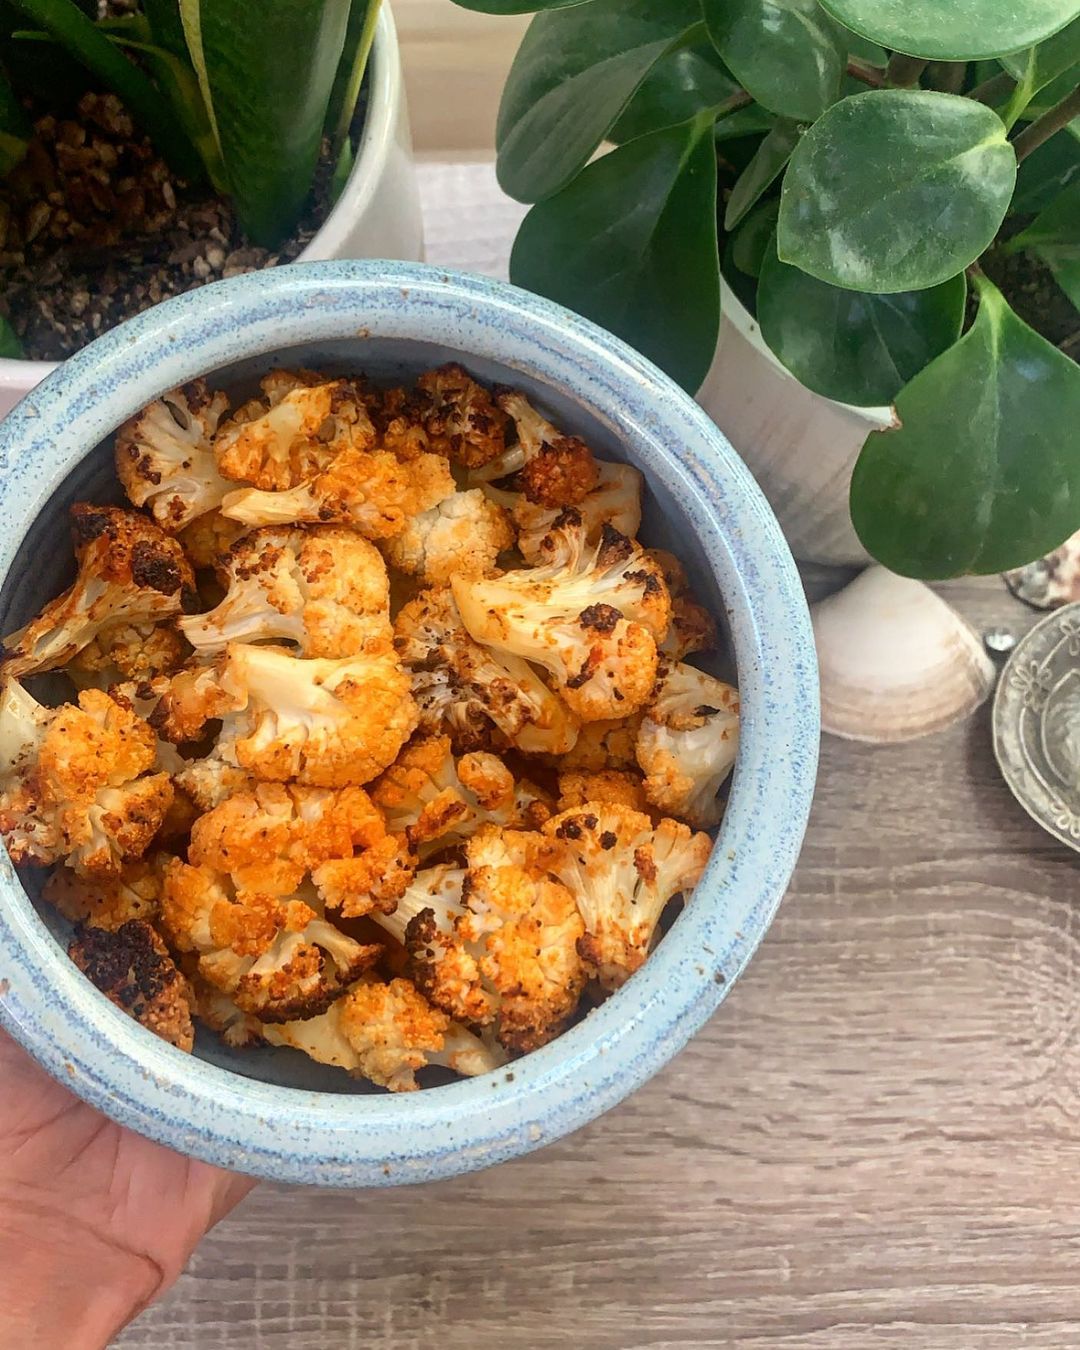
(14, 127)
(895, 189)
(764, 168)
(10, 346)
(574, 73)
(632, 243)
(981, 475)
(359, 35)
(1042, 175)
(166, 26)
(679, 85)
(69, 26)
(851, 345)
(943, 30)
(267, 86)
(788, 54)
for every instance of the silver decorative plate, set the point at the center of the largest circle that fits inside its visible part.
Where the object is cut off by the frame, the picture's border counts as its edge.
(1037, 724)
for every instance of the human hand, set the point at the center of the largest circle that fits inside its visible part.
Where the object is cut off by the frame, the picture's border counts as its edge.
(95, 1222)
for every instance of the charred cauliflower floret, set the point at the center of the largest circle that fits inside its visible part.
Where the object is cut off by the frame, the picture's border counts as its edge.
(324, 589)
(129, 573)
(293, 431)
(495, 944)
(591, 616)
(550, 469)
(78, 782)
(435, 801)
(387, 1033)
(478, 696)
(460, 418)
(371, 491)
(622, 787)
(165, 459)
(622, 871)
(271, 836)
(327, 723)
(273, 955)
(134, 892)
(693, 628)
(687, 743)
(461, 536)
(125, 651)
(133, 969)
(615, 501)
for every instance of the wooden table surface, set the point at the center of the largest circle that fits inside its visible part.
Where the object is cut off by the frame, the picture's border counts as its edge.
(875, 1142)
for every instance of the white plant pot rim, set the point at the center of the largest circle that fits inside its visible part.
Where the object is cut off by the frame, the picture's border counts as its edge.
(735, 312)
(376, 144)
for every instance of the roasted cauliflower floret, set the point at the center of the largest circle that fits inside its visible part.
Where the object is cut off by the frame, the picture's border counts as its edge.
(134, 892)
(125, 651)
(608, 744)
(273, 955)
(693, 628)
(687, 743)
(372, 491)
(461, 419)
(480, 697)
(324, 589)
(129, 573)
(461, 536)
(133, 969)
(293, 432)
(78, 782)
(210, 781)
(327, 723)
(386, 1033)
(622, 871)
(615, 501)
(496, 945)
(591, 616)
(269, 837)
(549, 468)
(165, 459)
(436, 802)
(623, 787)
(208, 538)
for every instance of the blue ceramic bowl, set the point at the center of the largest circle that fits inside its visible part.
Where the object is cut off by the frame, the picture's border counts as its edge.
(271, 1112)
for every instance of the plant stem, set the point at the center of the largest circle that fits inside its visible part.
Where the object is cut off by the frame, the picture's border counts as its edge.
(995, 88)
(874, 78)
(1045, 126)
(903, 71)
(729, 105)
(948, 76)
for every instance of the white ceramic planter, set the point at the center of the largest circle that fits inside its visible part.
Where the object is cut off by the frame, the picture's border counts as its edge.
(376, 216)
(799, 446)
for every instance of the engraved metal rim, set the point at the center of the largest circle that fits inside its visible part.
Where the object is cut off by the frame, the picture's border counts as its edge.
(1023, 778)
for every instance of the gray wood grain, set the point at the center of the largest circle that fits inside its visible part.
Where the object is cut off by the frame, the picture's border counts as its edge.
(874, 1143)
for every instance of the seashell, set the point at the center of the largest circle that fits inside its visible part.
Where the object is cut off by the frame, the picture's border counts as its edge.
(1051, 581)
(896, 661)
(1061, 729)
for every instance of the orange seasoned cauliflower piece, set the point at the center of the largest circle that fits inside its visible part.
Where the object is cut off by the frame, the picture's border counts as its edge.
(551, 469)
(134, 892)
(623, 787)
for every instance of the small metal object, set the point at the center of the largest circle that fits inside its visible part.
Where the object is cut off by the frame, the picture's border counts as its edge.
(999, 641)
(1036, 722)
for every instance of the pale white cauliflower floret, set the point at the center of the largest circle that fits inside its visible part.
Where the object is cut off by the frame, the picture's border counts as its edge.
(462, 536)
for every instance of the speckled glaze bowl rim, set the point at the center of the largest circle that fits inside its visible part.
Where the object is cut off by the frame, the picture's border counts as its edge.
(363, 1140)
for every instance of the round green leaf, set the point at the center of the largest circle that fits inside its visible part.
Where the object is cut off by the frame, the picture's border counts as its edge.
(944, 30)
(515, 6)
(851, 345)
(631, 243)
(895, 189)
(754, 238)
(1040, 66)
(764, 168)
(788, 54)
(982, 474)
(574, 73)
(680, 84)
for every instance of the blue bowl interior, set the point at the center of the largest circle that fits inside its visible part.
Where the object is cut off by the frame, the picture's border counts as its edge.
(43, 567)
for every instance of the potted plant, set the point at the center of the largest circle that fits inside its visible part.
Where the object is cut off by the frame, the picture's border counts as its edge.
(875, 208)
(148, 148)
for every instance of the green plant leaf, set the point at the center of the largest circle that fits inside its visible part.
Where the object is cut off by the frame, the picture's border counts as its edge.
(982, 474)
(680, 84)
(850, 345)
(1042, 175)
(895, 189)
(755, 237)
(762, 171)
(1057, 226)
(1065, 265)
(267, 85)
(787, 54)
(14, 127)
(943, 30)
(166, 26)
(631, 243)
(67, 24)
(515, 6)
(574, 73)
(10, 347)
(1041, 65)
(749, 121)
(865, 52)
(359, 35)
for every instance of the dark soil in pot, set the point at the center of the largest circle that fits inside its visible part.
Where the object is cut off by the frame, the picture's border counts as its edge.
(94, 228)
